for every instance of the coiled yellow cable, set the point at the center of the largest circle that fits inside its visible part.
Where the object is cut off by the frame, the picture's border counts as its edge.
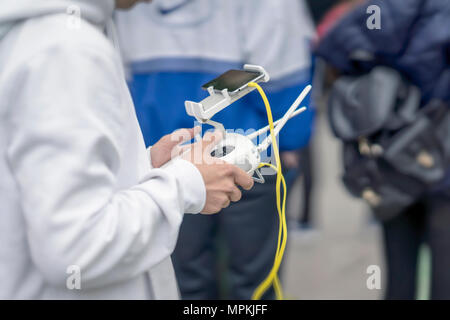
(272, 277)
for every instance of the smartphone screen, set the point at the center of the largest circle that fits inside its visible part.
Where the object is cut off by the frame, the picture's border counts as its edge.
(233, 80)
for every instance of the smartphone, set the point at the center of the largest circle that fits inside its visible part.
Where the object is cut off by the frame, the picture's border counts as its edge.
(233, 80)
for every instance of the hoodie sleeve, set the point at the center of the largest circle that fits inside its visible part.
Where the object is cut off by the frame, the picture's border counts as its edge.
(69, 128)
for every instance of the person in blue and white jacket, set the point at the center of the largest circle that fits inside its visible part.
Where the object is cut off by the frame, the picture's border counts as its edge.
(170, 49)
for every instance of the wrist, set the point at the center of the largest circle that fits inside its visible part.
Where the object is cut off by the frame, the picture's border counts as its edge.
(191, 182)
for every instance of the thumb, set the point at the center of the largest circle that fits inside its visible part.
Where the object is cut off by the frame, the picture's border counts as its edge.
(183, 135)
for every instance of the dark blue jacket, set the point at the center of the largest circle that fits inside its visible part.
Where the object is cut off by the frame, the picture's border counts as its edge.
(414, 39)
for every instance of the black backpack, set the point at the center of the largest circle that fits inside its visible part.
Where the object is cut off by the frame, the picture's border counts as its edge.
(394, 151)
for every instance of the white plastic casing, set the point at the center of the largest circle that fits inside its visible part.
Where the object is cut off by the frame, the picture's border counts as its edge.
(242, 152)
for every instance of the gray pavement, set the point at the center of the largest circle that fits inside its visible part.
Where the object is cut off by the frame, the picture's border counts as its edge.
(331, 262)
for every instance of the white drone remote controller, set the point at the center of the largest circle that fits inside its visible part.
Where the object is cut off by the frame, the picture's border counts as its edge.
(234, 148)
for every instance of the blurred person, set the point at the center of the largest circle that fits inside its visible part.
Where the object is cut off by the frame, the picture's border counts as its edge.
(319, 8)
(334, 14)
(171, 49)
(413, 40)
(81, 196)
(300, 163)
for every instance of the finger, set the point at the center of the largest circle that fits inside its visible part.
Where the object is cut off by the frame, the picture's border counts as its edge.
(194, 132)
(179, 151)
(183, 135)
(242, 178)
(184, 148)
(226, 203)
(235, 195)
(210, 210)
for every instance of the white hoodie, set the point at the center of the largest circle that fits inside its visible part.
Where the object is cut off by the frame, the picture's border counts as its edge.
(77, 191)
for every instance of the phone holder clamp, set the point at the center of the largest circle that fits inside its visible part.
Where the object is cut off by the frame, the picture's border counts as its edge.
(204, 110)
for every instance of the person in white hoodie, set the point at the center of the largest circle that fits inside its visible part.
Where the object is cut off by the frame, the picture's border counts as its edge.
(86, 211)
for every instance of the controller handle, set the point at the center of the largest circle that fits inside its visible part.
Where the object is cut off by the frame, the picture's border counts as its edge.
(240, 151)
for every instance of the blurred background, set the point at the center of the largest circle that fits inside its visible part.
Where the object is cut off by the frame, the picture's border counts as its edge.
(330, 260)
(391, 210)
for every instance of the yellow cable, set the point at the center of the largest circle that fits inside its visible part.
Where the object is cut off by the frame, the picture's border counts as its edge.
(272, 277)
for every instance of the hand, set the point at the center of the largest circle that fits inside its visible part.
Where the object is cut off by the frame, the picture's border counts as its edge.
(221, 179)
(169, 146)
